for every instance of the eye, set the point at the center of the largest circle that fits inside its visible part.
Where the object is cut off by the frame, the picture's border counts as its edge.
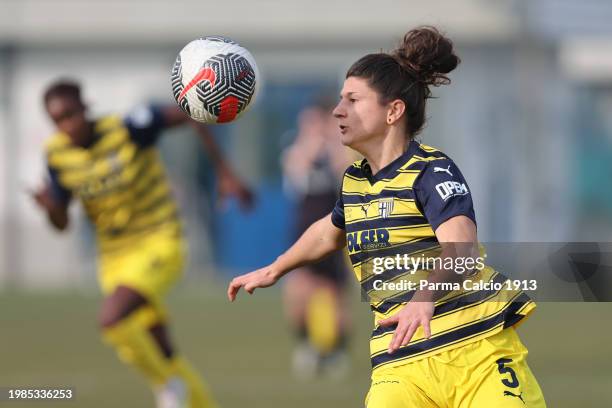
(352, 100)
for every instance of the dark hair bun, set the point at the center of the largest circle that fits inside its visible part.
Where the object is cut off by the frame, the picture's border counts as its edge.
(428, 55)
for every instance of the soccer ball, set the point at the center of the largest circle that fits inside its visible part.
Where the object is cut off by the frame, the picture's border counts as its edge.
(214, 79)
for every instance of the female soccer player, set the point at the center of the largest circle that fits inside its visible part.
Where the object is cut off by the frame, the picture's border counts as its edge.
(112, 166)
(431, 347)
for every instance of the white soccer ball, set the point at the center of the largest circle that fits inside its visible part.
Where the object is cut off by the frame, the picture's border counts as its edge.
(214, 79)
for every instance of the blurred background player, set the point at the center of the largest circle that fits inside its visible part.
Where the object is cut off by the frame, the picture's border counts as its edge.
(314, 295)
(112, 166)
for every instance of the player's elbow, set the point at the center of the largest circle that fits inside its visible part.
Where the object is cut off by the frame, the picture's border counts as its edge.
(60, 226)
(59, 223)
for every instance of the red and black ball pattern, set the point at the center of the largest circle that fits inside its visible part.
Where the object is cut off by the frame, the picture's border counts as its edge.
(231, 89)
(178, 86)
(225, 85)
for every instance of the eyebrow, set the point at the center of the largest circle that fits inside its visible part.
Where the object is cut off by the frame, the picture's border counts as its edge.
(348, 94)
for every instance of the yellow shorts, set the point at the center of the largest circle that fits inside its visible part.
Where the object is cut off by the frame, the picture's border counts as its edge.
(492, 372)
(151, 266)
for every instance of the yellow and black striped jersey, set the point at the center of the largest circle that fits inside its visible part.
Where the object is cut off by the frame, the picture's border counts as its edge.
(396, 211)
(119, 178)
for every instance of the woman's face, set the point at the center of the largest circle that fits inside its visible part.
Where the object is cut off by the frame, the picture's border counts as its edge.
(68, 114)
(361, 117)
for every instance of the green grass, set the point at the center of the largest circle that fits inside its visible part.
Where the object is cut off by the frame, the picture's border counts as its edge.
(244, 349)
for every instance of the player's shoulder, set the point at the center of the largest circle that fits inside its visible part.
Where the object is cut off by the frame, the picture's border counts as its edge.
(434, 167)
(107, 123)
(144, 116)
(424, 156)
(59, 144)
(355, 170)
(56, 142)
(429, 152)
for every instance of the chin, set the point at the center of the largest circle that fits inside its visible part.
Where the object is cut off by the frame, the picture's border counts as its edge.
(346, 140)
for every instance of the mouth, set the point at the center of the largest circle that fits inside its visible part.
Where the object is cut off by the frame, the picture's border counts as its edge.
(343, 129)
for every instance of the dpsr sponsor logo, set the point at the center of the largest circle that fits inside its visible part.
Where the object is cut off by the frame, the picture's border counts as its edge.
(450, 189)
(368, 239)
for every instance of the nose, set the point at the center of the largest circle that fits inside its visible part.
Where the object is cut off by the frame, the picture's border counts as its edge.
(339, 111)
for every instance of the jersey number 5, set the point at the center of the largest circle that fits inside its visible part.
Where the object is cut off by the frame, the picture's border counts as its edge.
(513, 382)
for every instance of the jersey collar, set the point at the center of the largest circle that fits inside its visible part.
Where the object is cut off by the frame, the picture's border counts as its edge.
(389, 170)
(95, 138)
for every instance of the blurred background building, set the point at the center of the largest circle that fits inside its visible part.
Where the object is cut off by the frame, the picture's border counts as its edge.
(527, 117)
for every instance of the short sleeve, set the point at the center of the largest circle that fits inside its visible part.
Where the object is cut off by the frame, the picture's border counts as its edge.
(145, 124)
(337, 215)
(442, 193)
(60, 193)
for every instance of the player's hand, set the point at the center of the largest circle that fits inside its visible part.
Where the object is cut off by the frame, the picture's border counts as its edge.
(261, 278)
(42, 196)
(229, 185)
(408, 320)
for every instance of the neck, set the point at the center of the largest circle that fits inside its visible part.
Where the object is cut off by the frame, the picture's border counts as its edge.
(88, 136)
(381, 151)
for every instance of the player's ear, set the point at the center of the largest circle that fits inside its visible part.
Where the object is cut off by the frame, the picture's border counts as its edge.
(395, 111)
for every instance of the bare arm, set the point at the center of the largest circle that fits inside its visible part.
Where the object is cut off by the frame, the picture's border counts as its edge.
(173, 117)
(229, 183)
(299, 158)
(457, 229)
(318, 241)
(57, 213)
(457, 237)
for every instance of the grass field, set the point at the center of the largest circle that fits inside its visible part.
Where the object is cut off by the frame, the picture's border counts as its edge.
(244, 349)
